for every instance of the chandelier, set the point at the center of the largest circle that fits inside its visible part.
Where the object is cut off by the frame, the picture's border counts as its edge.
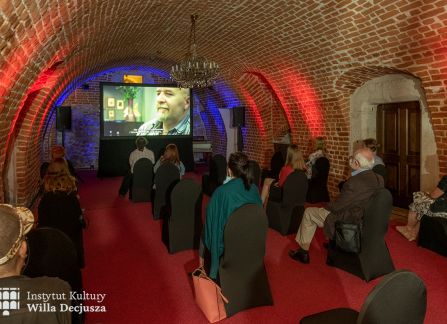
(194, 71)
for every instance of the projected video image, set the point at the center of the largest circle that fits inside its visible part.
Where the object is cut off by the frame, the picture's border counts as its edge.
(134, 110)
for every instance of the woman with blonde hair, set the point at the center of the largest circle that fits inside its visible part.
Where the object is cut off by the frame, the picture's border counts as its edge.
(319, 150)
(59, 207)
(171, 155)
(294, 161)
(58, 152)
(58, 177)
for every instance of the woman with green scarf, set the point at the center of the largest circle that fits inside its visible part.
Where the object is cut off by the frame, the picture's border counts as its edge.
(226, 199)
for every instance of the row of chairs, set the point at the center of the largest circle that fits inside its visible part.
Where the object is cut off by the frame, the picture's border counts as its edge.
(317, 186)
(244, 281)
(285, 214)
(245, 235)
(242, 273)
(143, 181)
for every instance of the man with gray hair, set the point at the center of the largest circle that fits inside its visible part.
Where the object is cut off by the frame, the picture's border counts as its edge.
(15, 289)
(357, 190)
(173, 109)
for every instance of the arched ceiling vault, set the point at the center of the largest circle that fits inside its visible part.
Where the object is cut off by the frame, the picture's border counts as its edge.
(309, 43)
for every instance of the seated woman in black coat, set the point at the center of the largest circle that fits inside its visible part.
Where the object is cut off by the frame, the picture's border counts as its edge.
(432, 204)
(59, 207)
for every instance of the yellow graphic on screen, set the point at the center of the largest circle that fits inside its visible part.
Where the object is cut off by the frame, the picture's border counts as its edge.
(128, 78)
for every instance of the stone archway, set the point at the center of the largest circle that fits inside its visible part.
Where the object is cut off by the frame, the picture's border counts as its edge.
(395, 88)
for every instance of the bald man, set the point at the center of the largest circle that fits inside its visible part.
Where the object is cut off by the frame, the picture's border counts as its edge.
(172, 106)
(359, 188)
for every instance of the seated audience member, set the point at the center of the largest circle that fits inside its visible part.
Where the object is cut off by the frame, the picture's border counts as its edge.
(171, 155)
(371, 143)
(15, 223)
(355, 193)
(432, 204)
(58, 152)
(227, 198)
(139, 153)
(58, 175)
(59, 207)
(294, 161)
(319, 148)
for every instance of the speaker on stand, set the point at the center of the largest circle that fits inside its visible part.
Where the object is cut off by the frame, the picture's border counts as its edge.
(63, 120)
(238, 121)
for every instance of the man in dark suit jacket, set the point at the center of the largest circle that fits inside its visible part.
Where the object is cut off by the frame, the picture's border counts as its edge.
(355, 193)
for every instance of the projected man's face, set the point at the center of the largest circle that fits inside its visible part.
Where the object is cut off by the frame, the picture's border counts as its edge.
(172, 105)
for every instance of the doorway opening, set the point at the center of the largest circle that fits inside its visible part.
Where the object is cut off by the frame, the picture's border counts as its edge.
(398, 90)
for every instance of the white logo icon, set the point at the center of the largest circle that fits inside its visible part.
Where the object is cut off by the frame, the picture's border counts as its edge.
(9, 299)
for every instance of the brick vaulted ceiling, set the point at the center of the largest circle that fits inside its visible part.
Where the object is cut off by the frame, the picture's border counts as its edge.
(296, 47)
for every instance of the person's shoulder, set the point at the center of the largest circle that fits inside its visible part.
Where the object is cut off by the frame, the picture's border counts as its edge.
(299, 171)
(54, 195)
(367, 177)
(359, 177)
(148, 126)
(230, 186)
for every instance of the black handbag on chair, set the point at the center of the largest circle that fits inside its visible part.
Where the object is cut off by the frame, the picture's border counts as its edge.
(348, 236)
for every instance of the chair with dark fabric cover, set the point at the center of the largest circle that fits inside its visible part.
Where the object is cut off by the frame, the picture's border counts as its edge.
(51, 253)
(285, 212)
(165, 178)
(318, 183)
(276, 163)
(381, 169)
(242, 273)
(400, 298)
(433, 234)
(216, 176)
(63, 211)
(374, 259)
(183, 225)
(254, 171)
(142, 181)
(43, 169)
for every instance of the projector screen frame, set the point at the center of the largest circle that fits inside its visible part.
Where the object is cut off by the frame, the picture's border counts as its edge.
(140, 85)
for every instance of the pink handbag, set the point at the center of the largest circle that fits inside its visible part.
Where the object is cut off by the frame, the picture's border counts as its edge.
(208, 296)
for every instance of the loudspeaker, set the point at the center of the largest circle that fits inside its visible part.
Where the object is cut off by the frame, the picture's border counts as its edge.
(238, 114)
(63, 118)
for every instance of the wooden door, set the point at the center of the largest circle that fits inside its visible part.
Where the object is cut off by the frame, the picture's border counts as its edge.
(399, 136)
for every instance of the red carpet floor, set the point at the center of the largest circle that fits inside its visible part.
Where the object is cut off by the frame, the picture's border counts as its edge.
(126, 260)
